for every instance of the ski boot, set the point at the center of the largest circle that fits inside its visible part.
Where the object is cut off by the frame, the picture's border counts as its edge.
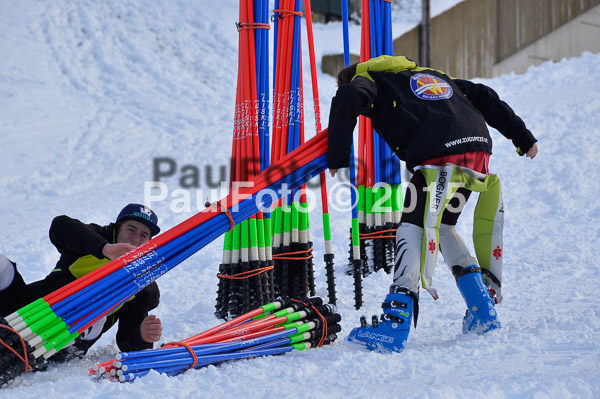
(481, 316)
(391, 332)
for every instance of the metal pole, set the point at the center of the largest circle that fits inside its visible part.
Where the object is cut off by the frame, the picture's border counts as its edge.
(425, 34)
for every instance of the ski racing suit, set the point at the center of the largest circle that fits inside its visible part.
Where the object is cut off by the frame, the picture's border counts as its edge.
(438, 126)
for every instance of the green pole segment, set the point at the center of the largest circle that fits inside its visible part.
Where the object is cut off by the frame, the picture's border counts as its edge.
(326, 227)
(235, 242)
(301, 346)
(227, 241)
(32, 317)
(260, 229)
(268, 236)
(369, 205)
(253, 235)
(30, 309)
(377, 204)
(295, 209)
(45, 322)
(59, 339)
(58, 327)
(56, 345)
(278, 223)
(244, 237)
(362, 203)
(355, 235)
(270, 307)
(287, 220)
(303, 222)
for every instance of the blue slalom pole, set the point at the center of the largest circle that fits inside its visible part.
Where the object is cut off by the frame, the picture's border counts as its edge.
(212, 229)
(207, 348)
(345, 32)
(203, 359)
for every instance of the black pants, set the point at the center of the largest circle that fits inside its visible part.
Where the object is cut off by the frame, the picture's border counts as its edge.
(19, 294)
(414, 213)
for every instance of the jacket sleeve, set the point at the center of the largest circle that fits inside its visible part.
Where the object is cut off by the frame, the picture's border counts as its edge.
(350, 101)
(130, 317)
(498, 114)
(72, 237)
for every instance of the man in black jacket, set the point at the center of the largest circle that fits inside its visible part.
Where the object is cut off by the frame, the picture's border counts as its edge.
(84, 248)
(438, 126)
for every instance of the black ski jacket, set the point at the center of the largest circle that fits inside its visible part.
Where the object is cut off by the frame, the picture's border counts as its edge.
(75, 241)
(422, 114)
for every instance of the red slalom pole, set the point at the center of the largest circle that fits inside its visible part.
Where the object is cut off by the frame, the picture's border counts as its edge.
(313, 148)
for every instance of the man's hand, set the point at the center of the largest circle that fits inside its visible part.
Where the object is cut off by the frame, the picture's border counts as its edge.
(333, 172)
(532, 151)
(113, 251)
(151, 329)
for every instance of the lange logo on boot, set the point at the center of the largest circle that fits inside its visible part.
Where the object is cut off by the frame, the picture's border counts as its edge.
(497, 253)
(376, 337)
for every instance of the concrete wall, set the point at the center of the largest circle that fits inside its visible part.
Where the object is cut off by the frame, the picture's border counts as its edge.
(570, 40)
(470, 38)
(485, 38)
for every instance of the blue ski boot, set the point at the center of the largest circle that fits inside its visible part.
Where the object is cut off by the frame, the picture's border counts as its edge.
(481, 316)
(391, 332)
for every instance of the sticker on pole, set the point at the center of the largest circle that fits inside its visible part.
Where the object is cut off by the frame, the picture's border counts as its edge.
(429, 87)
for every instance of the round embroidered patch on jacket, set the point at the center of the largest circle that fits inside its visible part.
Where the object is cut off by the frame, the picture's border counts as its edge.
(429, 87)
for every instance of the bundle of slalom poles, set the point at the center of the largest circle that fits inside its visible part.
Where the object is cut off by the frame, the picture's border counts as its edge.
(246, 272)
(378, 172)
(47, 325)
(276, 328)
(292, 245)
(266, 256)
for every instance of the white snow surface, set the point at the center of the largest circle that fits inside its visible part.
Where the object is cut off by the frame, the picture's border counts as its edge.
(92, 91)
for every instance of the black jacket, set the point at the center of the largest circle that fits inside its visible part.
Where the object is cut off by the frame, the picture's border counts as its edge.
(74, 240)
(421, 114)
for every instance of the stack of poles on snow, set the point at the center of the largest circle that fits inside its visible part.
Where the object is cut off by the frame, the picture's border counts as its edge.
(45, 326)
(378, 173)
(276, 328)
(284, 239)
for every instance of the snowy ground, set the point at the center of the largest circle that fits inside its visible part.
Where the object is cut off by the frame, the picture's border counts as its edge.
(91, 92)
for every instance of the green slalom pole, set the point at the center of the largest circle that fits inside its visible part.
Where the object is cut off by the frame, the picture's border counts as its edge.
(287, 238)
(222, 305)
(27, 311)
(244, 290)
(304, 233)
(268, 244)
(254, 282)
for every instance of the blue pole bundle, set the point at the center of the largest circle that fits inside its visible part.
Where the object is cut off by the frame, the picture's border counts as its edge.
(269, 338)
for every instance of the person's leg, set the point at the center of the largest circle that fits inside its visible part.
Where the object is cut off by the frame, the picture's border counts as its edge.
(17, 294)
(481, 316)
(452, 246)
(401, 303)
(488, 226)
(7, 272)
(409, 236)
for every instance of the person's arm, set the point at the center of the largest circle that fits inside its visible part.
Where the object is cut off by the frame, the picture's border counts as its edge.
(500, 116)
(135, 325)
(75, 238)
(350, 101)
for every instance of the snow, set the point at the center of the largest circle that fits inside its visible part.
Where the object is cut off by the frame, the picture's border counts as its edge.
(91, 92)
